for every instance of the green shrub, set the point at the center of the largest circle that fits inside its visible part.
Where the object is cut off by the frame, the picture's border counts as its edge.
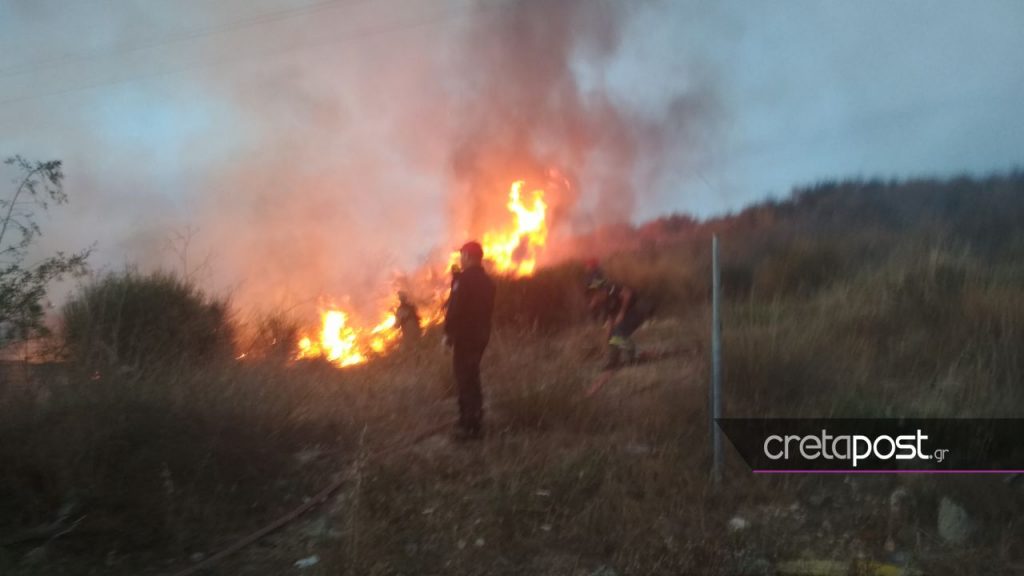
(133, 320)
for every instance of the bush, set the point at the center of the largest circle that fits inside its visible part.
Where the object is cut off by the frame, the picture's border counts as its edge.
(132, 320)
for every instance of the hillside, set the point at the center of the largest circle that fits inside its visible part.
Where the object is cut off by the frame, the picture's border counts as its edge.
(859, 298)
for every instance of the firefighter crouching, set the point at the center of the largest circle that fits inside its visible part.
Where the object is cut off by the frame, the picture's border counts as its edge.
(467, 329)
(623, 312)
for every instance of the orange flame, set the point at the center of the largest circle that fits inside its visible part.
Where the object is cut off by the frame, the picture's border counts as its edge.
(337, 343)
(513, 252)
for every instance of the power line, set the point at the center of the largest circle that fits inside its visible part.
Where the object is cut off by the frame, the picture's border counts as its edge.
(438, 18)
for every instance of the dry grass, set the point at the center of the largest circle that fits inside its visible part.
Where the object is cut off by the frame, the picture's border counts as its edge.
(564, 484)
(925, 334)
(162, 465)
(176, 465)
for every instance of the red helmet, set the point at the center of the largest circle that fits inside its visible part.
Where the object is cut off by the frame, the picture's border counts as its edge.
(473, 250)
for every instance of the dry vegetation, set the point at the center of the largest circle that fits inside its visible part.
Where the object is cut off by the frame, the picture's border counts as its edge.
(853, 299)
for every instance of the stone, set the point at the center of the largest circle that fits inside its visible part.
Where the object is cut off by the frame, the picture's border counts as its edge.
(738, 524)
(954, 525)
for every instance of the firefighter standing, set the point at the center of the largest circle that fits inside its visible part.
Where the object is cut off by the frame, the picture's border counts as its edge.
(456, 271)
(467, 329)
(407, 318)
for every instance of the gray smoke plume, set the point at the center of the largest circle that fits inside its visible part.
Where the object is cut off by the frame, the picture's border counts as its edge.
(323, 156)
(522, 112)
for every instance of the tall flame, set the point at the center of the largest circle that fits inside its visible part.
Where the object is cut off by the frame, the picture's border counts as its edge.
(513, 252)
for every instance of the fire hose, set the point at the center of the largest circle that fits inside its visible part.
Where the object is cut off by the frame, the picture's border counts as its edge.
(326, 492)
(308, 505)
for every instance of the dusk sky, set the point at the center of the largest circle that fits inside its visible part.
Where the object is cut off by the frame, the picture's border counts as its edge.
(276, 126)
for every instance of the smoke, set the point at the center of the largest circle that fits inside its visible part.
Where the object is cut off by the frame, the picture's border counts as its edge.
(304, 168)
(329, 202)
(320, 148)
(523, 110)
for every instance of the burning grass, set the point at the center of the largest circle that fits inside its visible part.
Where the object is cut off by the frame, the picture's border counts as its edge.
(512, 250)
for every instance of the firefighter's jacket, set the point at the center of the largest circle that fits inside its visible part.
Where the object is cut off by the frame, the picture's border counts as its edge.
(470, 307)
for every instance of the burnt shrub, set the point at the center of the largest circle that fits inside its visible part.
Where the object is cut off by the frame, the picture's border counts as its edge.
(134, 320)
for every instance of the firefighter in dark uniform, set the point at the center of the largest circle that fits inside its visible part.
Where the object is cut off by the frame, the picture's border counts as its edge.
(456, 271)
(624, 314)
(467, 329)
(407, 318)
(594, 280)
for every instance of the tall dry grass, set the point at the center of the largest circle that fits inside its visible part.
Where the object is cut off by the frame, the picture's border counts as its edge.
(839, 303)
(929, 332)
